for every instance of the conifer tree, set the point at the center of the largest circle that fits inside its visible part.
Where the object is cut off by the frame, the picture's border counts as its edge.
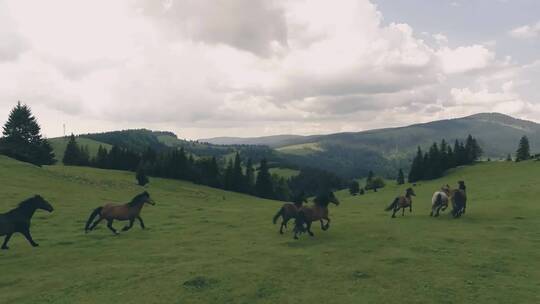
(354, 188)
(401, 177)
(263, 185)
(22, 139)
(141, 177)
(237, 183)
(72, 152)
(250, 175)
(524, 150)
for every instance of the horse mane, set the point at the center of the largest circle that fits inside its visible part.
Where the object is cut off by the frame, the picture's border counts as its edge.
(137, 198)
(27, 202)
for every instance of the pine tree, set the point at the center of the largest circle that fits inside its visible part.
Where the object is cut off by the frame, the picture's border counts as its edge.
(416, 172)
(250, 175)
(263, 185)
(524, 150)
(141, 177)
(369, 179)
(354, 188)
(401, 177)
(101, 158)
(22, 139)
(228, 176)
(237, 175)
(72, 152)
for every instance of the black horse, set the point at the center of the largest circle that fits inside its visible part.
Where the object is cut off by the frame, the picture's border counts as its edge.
(18, 219)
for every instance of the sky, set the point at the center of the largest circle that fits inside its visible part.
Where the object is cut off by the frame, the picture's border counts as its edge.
(207, 68)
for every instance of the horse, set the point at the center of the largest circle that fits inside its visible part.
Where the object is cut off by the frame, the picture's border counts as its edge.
(317, 212)
(126, 212)
(289, 211)
(439, 201)
(18, 219)
(402, 202)
(459, 200)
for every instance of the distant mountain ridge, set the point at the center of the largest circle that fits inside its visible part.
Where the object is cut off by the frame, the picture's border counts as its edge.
(480, 125)
(350, 154)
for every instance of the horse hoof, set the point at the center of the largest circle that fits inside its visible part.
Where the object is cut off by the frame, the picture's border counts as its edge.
(5, 248)
(35, 245)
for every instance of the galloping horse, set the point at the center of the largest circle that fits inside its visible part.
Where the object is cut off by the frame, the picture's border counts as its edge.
(318, 212)
(126, 212)
(439, 201)
(402, 202)
(18, 219)
(459, 200)
(289, 211)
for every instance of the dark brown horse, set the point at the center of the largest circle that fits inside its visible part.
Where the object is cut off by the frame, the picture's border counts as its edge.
(126, 212)
(318, 212)
(402, 202)
(459, 200)
(18, 219)
(289, 211)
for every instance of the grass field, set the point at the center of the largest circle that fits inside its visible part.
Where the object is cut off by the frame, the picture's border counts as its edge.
(59, 146)
(208, 246)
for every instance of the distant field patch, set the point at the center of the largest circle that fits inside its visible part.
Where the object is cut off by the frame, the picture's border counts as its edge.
(284, 172)
(302, 149)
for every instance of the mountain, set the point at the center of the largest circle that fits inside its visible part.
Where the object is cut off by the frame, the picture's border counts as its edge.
(271, 141)
(386, 150)
(348, 155)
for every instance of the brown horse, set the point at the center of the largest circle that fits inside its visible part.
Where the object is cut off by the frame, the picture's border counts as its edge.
(18, 219)
(289, 211)
(126, 212)
(459, 200)
(317, 212)
(402, 202)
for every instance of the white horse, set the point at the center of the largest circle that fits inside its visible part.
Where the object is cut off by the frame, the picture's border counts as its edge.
(440, 200)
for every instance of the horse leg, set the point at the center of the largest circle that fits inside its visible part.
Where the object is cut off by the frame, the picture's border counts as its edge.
(410, 208)
(95, 223)
(126, 228)
(281, 227)
(394, 213)
(327, 226)
(141, 222)
(438, 210)
(309, 229)
(6, 240)
(109, 225)
(402, 211)
(28, 236)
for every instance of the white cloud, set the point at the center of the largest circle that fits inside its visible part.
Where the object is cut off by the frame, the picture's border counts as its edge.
(204, 68)
(526, 31)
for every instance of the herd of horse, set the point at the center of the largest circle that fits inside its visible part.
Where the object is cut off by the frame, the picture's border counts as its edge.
(18, 220)
(305, 215)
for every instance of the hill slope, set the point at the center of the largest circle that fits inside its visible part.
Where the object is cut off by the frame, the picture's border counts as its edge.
(209, 246)
(387, 150)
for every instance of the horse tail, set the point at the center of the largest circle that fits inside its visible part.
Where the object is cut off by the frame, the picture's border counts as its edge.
(393, 205)
(92, 217)
(300, 219)
(278, 214)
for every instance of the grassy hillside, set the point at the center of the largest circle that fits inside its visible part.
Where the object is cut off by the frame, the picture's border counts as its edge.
(59, 146)
(209, 246)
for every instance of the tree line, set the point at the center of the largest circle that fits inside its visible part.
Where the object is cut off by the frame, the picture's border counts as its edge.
(440, 157)
(234, 174)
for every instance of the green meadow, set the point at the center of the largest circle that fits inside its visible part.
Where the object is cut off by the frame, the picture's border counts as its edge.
(204, 245)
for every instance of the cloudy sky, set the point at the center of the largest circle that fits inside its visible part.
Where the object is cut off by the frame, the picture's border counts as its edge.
(205, 68)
